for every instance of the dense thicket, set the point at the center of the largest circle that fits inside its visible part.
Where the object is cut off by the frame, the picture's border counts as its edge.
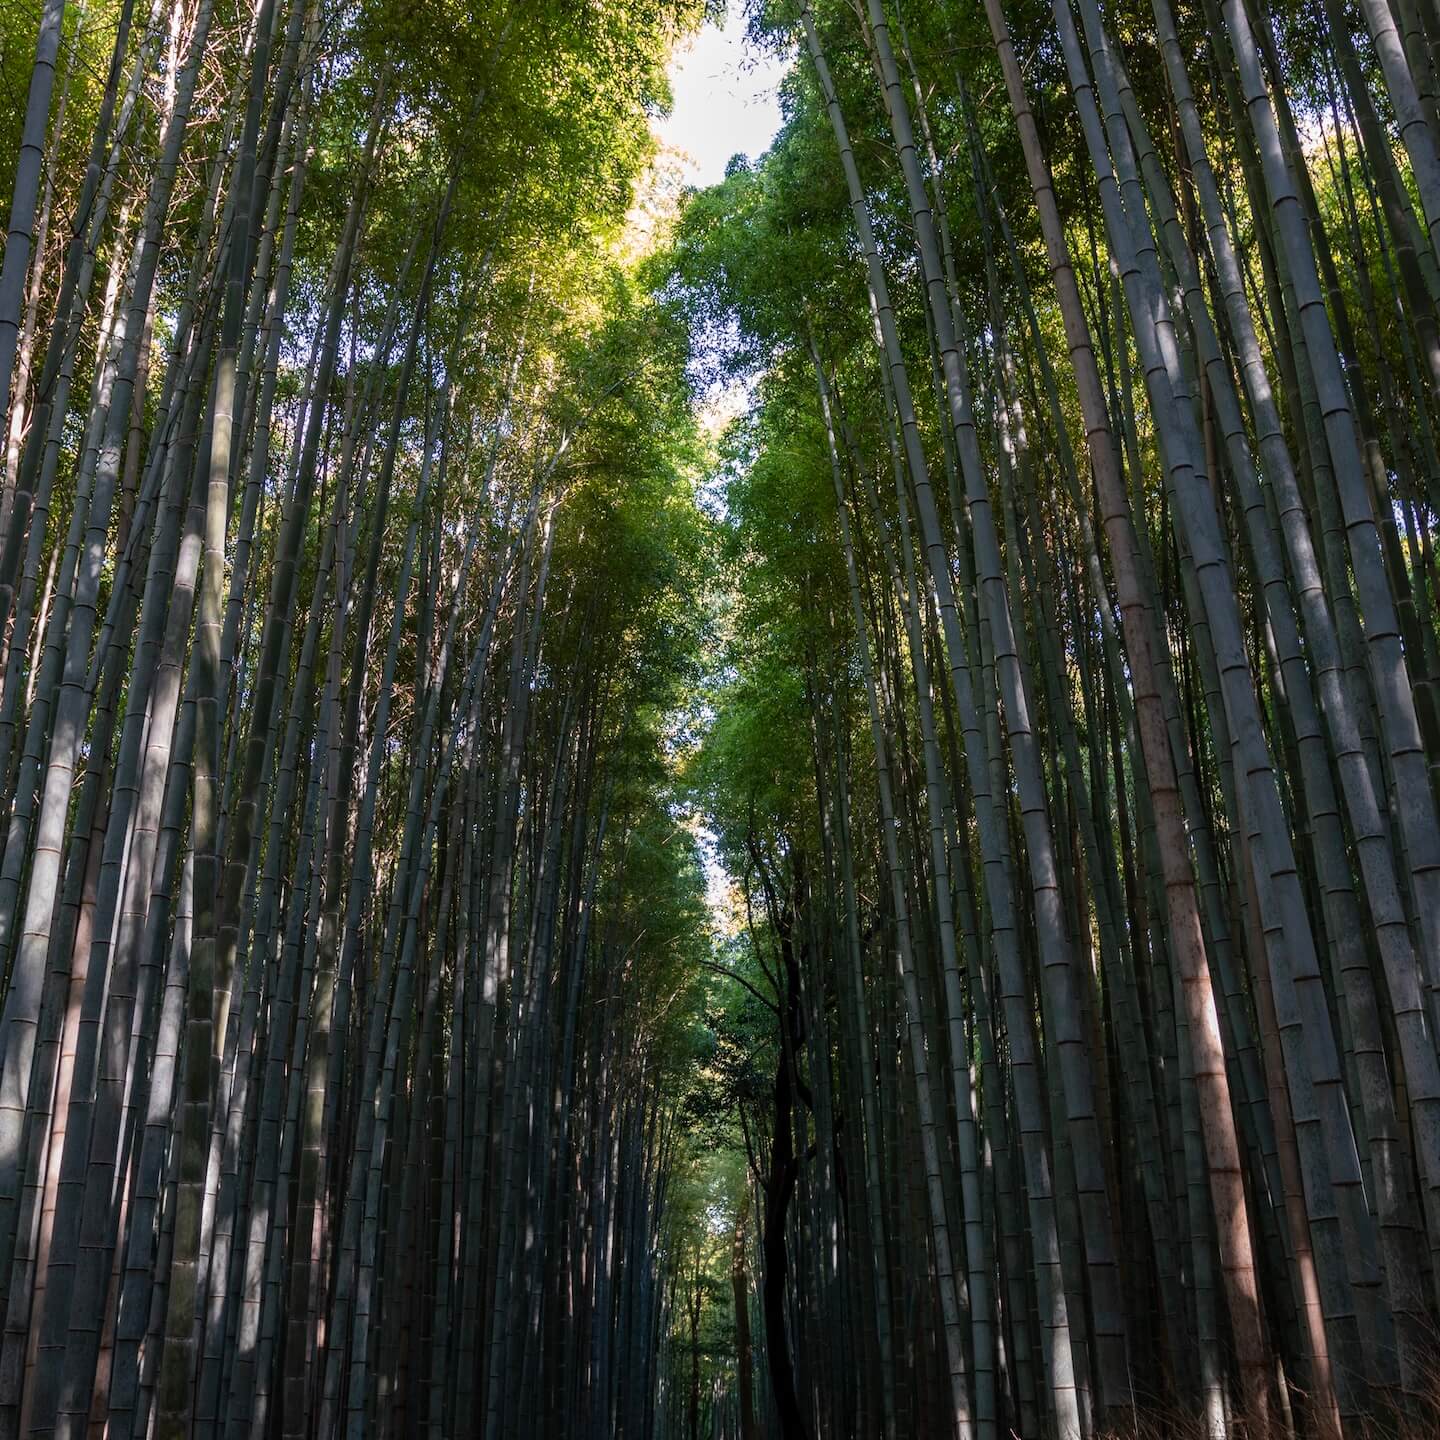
(1050, 656)
(1076, 758)
(349, 566)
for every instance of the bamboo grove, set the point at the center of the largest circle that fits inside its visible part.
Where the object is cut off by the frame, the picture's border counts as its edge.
(349, 558)
(1075, 752)
(915, 915)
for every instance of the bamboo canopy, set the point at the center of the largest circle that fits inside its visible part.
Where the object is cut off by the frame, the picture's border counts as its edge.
(799, 809)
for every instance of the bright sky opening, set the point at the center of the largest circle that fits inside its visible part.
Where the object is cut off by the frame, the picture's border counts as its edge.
(726, 102)
(727, 99)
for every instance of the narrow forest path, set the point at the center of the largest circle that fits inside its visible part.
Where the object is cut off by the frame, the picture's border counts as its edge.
(791, 793)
